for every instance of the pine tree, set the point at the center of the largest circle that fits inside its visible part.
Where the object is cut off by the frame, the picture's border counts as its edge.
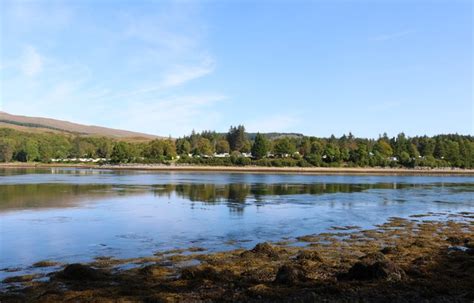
(260, 146)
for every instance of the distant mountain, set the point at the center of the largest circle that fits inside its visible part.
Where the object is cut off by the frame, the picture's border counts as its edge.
(37, 124)
(274, 136)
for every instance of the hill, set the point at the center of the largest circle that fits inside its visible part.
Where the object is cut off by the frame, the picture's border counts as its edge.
(38, 124)
(274, 135)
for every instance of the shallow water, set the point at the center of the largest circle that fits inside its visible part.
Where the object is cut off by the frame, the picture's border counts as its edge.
(71, 215)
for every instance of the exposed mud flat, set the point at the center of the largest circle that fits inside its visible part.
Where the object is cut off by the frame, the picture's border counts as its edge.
(400, 261)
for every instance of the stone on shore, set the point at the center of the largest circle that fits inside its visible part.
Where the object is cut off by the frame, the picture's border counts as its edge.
(290, 275)
(80, 272)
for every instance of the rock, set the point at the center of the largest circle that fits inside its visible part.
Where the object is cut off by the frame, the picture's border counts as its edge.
(463, 249)
(418, 243)
(416, 272)
(469, 243)
(153, 271)
(11, 269)
(308, 238)
(190, 273)
(455, 240)
(262, 249)
(16, 279)
(458, 248)
(196, 249)
(258, 275)
(373, 257)
(308, 255)
(259, 289)
(422, 261)
(290, 275)
(386, 270)
(45, 264)
(389, 250)
(80, 272)
(205, 273)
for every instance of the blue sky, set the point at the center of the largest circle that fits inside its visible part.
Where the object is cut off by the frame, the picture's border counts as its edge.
(314, 67)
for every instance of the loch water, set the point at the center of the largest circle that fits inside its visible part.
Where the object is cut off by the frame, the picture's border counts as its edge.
(75, 215)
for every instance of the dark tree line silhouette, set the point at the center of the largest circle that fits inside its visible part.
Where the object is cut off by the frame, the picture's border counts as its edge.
(239, 148)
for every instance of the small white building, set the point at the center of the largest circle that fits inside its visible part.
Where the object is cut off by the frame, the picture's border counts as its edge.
(222, 155)
(83, 160)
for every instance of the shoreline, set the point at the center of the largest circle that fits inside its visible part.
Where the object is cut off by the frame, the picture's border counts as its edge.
(403, 260)
(255, 169)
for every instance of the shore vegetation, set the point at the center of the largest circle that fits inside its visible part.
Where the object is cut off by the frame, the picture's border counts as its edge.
(239, 148)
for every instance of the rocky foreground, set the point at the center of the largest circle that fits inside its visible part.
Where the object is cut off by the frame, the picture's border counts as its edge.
(403, 260)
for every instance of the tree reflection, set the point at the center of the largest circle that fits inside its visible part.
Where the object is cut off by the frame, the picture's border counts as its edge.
(235, 195)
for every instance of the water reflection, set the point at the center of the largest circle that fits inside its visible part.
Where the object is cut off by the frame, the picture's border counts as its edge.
(241, 192)
(127, 214)
(235, 195)
(27, 196)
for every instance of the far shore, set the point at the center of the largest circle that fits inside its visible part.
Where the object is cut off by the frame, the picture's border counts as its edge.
(252, 169)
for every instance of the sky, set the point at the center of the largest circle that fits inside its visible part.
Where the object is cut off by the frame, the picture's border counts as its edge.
(312, 67)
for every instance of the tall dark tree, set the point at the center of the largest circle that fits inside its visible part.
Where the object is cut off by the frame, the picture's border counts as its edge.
(183, 147)
(260, 146)
(236, 137)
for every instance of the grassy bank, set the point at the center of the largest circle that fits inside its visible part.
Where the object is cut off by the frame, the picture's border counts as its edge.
(253, 169)
(415, 260)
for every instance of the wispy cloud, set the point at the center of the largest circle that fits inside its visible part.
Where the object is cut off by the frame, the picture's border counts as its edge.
(176, 115)
(141, 85)
(31, 62)
(392, 36)
(182, 74)
(175, 77)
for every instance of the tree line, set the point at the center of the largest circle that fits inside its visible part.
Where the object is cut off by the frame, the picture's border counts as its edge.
(236, 147)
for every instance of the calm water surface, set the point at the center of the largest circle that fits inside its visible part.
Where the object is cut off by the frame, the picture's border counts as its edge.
(71, 215)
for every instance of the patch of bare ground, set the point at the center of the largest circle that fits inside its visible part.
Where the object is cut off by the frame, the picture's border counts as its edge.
(399, 261)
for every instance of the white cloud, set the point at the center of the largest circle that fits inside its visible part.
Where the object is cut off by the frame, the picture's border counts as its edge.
(182, 74)
(177, 76)
(31, 62)
(171, 35)
(171, 50)
(140, 85)
(176, 115)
